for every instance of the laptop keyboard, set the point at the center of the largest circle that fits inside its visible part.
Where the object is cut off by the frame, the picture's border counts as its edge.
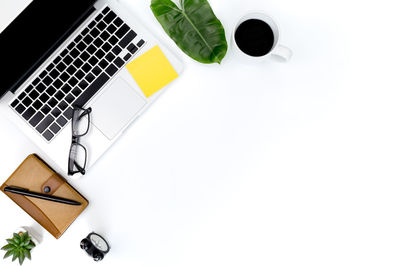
(77, 73)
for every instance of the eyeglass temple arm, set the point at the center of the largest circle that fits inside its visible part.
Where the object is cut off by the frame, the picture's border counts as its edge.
(80, 169)
(87, 111)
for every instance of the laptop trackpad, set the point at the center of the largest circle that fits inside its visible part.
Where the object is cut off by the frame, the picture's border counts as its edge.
(116, 107)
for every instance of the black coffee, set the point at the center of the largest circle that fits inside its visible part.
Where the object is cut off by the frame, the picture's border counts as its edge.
(254, 37)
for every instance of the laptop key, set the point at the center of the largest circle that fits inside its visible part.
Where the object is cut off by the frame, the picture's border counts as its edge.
(63, 105)
(105, 10)
(111, 70)
(127, 56)
(48, 135)
(116, 50)
(101, 26)
(122, 31)
(90, 77)
(22, 95)
(51, 91)
(56, 112)
(20, 108)
(60, 95)
(69, 98)
(111, 28)
(28, 113)
(127, 39)
(96, 71)
(14, 103)
(36, 119)
(84, 56)
(100, 53)
(61, 67)
(66, 88)
(105, 35)
(47, 81)
(91, 90)
(36, 81)
(62, 121)
(99, 17)
(64, 77)
(98, 42)
(57, 83)
(44, 97)
(83, 84)
(40, 87)
(132, 48)
(110, 57)
(55, 128)
(79, 75)
(91, 49)
(73, 81)
(45, 109)
(118, 22)
(78, 39)
(77, 63)
(45, 123)
(81, 46)
(113, 40)
(37, 104)
(52, 102)
(103, 64)
(93, 60)
(71, 70)
(76, 92)
(140, 43)
(29, 88)
(94, 32)
(68, 113)
(92, 24)
(34, 94)
(27, 101)
(43, 74)
(74, 53)
(68, 60)
(88, 39)
(109, 17)
(50, 67)
(85, 31)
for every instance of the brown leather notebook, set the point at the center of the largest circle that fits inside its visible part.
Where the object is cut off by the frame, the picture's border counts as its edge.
(34, 174)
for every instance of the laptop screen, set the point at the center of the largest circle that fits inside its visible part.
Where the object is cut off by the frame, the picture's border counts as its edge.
(34, 34)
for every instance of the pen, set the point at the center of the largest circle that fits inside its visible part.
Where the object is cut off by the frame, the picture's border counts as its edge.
(26, 192)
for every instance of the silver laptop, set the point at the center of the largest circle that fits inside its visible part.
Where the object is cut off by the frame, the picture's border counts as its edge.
(59, 55)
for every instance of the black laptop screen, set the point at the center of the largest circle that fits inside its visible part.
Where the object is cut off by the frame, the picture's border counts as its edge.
(35, 33)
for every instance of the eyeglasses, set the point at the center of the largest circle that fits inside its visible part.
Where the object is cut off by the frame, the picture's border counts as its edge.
(78, 153)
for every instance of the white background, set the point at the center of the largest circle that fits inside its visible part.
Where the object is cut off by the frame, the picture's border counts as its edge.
(267, 164)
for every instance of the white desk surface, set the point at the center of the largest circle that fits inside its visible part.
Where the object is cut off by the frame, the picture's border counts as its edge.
(269, 164)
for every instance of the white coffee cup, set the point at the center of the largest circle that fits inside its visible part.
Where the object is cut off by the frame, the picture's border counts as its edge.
(277, 49)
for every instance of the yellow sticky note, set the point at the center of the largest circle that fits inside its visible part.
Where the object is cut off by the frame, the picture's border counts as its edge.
(152, 71)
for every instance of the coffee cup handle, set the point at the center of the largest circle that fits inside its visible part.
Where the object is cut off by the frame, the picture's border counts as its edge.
(282, 52)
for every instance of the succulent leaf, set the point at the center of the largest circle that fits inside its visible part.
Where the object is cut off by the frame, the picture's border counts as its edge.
(8, 247)
(8, 254)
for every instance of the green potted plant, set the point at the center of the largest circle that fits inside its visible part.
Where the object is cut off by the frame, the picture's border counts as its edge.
(20, 245)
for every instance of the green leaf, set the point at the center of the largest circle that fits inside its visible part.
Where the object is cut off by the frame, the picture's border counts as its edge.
(30, 246)
(27, 254)
(27, 241)
(21, 257)
(193, 27)
(15, 255)
(8, 247)
(17, 238)
(12, 241)
(8, 254)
